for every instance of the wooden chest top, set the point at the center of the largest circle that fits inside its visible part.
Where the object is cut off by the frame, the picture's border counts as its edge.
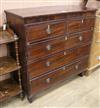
(47, 10)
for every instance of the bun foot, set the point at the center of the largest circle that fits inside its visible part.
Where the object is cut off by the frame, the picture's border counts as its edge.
(30, 99)
(81, 74)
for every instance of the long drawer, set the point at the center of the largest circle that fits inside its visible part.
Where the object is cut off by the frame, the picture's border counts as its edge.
(41, 49)
(45, 81)
(44, 30)
(57, 60)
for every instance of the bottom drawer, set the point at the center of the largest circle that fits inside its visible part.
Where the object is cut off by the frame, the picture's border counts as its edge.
(42, 82)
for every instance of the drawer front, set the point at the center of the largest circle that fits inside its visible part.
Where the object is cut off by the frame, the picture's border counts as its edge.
(45, 81)
(89, 14)
(42, 49)
(77, 25)
(44, 18)
(55, 61)
(75, 15)
(88, 23)
(81, 15)
(44, 30)
(74, 25)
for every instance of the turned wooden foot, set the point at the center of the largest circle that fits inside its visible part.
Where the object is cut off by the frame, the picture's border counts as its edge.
(31, 99)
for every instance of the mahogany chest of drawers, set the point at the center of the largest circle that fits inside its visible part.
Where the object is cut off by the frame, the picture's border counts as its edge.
(54, 44)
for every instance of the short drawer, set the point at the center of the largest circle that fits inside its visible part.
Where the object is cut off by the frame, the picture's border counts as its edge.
(78, 25)
(41, 49)
(36, 32)
(55, 61)
(89, 14)
(75, 15)
(45, 81)
(44, 18)
(74, 25)
(88, 23)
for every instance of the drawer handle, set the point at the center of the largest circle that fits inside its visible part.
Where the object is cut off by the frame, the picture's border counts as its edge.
(80, 38)
(28, 44)
(48, 80)
(47, 63)
(82, 21)
(63, 68)
(66, 38)
(48, 47)
(65, 53)
(48, 30)
(76, 67)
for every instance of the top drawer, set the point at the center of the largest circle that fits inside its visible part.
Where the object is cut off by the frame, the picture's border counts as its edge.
(75, 22)
(36, 32)
(44, 18)
(78, 25)
(81, 15)
(89, 14)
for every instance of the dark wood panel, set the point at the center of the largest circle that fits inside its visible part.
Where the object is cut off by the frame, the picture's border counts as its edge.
(48, 11)
(78, 25)
(17, 24)
(81, 15)
(41, 49)
(74, 25)
(45, 81)
(44, 18)
(47, 64)
(88, 23)
(78, 15)
(44, 31)
(89, 14)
